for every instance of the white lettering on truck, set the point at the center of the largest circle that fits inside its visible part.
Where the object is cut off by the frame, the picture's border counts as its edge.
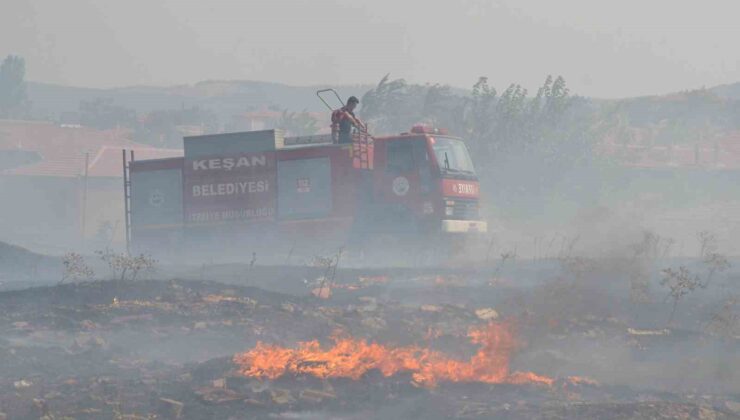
(464, 189)
(235, 214)
(230, 163)
(231, 188)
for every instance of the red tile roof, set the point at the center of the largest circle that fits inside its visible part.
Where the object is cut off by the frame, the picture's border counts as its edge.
(264, 114)
(108, 162)
(722, 154)
(63, 149)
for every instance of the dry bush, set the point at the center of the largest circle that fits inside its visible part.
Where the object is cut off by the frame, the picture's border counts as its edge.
(75, 268)
(114, 260)
(680, 283)
(707, 243)
(652, 246)
(581, 289)
(139, 264)
(506, 256)
(326, 282)
(567, 246)
(644, 255)
(711, 258)
(715, 263)
(124, 267)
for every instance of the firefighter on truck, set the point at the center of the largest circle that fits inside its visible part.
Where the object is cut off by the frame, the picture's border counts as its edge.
(343, 120)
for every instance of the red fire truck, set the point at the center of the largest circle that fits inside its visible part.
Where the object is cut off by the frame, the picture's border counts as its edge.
(236, 193)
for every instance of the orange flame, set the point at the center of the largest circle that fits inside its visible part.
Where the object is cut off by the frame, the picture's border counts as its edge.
(351, 358)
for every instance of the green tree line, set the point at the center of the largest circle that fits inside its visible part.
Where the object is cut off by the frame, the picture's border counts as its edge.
(13, 100)
(520, 141)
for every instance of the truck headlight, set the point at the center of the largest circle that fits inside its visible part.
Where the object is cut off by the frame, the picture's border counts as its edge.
(449, 211)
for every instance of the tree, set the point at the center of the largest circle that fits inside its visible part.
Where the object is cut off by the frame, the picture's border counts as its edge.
(478, 112)
(297, 123)
(510, 130)
(13, 100)
(527, 140)
(442, 108)
(103, 114)
(386, 108)
(164, 127)
(393, 106)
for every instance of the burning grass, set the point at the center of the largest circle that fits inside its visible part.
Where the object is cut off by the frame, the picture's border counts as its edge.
(352, 358)
(163, 349)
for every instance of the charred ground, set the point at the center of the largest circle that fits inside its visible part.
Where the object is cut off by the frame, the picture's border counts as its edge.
(138, 349)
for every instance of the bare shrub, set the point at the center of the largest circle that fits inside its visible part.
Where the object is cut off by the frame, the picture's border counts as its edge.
(680, 283)
(113, 259)
(75, 268)
(715, 263)
(326, 282)
(140, 263)
(506, 256)
(652, 246)
(567, 246)
(645, 253)
(707, 243)
(123, 266)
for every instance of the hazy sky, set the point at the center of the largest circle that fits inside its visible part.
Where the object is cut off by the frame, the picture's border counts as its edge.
(602, 48)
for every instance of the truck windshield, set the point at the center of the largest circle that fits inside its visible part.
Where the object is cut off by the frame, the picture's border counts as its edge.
(452, 155)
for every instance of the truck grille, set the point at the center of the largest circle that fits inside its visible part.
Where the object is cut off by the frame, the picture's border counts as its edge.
(465, 209)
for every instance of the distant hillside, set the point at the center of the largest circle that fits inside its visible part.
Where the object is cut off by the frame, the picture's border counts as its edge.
(681, 117)
(18, 264)
(729, 91)
(688, 117)
(225, 98)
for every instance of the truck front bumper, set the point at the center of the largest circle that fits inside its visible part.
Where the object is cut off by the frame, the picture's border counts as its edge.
(464, 226)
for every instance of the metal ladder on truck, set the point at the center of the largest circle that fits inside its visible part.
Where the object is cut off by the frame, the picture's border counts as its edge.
(127, 197)
(361, 149)
(362, 142)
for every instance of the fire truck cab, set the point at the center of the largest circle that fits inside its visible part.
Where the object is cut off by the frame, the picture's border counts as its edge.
(426, 178)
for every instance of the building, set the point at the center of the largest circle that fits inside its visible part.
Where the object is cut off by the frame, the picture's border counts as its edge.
(722, 153)
(62, 185)
(269, 119)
